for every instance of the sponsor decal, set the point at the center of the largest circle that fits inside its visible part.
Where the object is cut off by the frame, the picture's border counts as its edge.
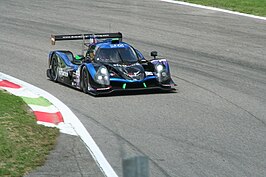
(119, 65)
(117, 45)
(148, 73)
(62, 73)
(134, 74)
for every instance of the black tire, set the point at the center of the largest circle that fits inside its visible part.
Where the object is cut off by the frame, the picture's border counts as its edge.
(54, 69)
(85, 80)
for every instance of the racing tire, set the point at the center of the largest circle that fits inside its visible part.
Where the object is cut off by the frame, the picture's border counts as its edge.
(85, 80)
(54, 69)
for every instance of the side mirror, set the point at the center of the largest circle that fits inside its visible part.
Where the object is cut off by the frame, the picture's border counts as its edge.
(154, 54)
(143, 61)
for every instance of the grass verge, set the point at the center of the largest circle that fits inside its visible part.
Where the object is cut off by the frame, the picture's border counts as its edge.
(255, 7)
(24, 144)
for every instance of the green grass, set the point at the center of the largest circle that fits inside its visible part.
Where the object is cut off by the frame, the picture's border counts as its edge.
(255, 7)
(24, 144)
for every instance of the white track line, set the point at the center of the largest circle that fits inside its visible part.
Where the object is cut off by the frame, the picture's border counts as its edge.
(214, 8)
(70, 119)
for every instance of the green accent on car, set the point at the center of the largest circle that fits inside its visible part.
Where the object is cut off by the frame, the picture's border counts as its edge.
(77, 57)
(124, 86)
(40, 101)
(144, 84)
(115, 39)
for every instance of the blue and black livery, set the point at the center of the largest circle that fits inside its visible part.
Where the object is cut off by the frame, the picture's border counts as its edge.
(107, 65)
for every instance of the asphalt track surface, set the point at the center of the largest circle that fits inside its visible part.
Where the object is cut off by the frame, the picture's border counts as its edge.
(215, 125)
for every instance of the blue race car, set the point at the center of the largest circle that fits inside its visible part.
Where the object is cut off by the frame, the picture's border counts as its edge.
(107, 65)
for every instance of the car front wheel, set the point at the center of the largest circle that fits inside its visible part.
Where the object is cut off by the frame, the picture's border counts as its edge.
(85, 81)
(54, 69)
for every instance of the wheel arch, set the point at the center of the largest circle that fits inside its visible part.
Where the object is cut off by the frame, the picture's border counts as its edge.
(90, 68)
(50, 57)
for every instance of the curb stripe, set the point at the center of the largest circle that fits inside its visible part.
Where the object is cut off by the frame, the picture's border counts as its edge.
(54, 118)
(5, 83)
(40, 101)
(71, 125)
(64, 128)
(42, 108)
(21, 92)
(49, 109)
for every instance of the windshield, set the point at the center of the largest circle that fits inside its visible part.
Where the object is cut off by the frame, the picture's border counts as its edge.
(116, 55)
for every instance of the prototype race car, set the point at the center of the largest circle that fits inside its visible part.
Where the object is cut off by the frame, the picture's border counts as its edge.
(107, 65)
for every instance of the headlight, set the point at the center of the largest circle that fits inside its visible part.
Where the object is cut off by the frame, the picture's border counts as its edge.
(103, 70)
(159, 67)
(162, 73)
(102, 76)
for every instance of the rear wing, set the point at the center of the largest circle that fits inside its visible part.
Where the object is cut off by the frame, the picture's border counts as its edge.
(85, 36)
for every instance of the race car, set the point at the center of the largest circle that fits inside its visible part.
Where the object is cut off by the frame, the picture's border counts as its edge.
(107, 65)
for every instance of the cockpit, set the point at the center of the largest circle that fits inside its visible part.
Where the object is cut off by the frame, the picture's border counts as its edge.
(116, 54)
